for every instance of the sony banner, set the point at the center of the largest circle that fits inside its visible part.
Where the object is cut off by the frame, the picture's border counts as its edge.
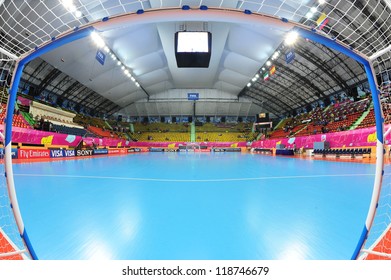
(84, 153)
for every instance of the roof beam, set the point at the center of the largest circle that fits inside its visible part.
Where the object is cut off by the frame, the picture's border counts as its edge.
(265, 85)
(264, 104)
(287, 90)
(58, 87)
(301, 78)
(103, 104)
(36, 72)
(325, 68)
(333, 56)
(48, 79)
(264, 94)
(75, 95)
(309, 73)
(114, 109)
(88, 95)
(72, 88)
(380, 30)
(354, 26)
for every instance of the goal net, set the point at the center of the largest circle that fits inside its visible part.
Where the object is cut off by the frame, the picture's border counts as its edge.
(11, 244)
(378, 245)
(362, 25)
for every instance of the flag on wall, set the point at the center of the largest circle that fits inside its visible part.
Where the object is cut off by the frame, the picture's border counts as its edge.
(322, 21)
(266, 76)
(272, 70)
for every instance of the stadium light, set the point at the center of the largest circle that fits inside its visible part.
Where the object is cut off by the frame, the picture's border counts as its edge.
(321, 2)
(67, 3)
(98, 40)
(249, 85)
(275, 55)
(268, 63)
(291, 38)
(313, 10)
(72, 8)
(309, 15)
(78, 14)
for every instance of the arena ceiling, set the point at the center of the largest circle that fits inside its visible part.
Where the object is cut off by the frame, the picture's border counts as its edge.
(239, 52)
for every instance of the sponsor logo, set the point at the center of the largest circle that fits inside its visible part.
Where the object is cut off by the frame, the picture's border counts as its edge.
(14, 153)
(69, 153)
(83, 153)
(56, 153)
(193, 96)
(100, 56)
(62, 153)
(114, 151)
(26, 153)
(156, 150)
(101, 152)
(134, 150)
(47, 140)
(233, 150)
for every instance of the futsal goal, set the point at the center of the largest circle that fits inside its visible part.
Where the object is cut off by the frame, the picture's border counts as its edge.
(193, 147)
(375, 240)
(12, 246)
(378, 243)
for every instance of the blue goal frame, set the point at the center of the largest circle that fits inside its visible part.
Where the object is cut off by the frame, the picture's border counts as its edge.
(177, 14)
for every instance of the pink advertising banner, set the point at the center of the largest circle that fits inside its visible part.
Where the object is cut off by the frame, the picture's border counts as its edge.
(31, 136)
(351, 138)
(24, 101)
(177, 144)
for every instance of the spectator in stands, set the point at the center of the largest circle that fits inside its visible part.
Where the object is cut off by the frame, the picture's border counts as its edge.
(41, 122)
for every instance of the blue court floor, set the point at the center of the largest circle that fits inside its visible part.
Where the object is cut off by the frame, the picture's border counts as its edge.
(194, 206)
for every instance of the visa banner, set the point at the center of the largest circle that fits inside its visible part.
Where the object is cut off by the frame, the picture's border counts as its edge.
(57, 153)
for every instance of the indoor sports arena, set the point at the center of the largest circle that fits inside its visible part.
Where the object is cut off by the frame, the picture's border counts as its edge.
(195, 130)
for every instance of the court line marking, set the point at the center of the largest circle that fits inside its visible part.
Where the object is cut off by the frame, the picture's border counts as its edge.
(191, 180)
